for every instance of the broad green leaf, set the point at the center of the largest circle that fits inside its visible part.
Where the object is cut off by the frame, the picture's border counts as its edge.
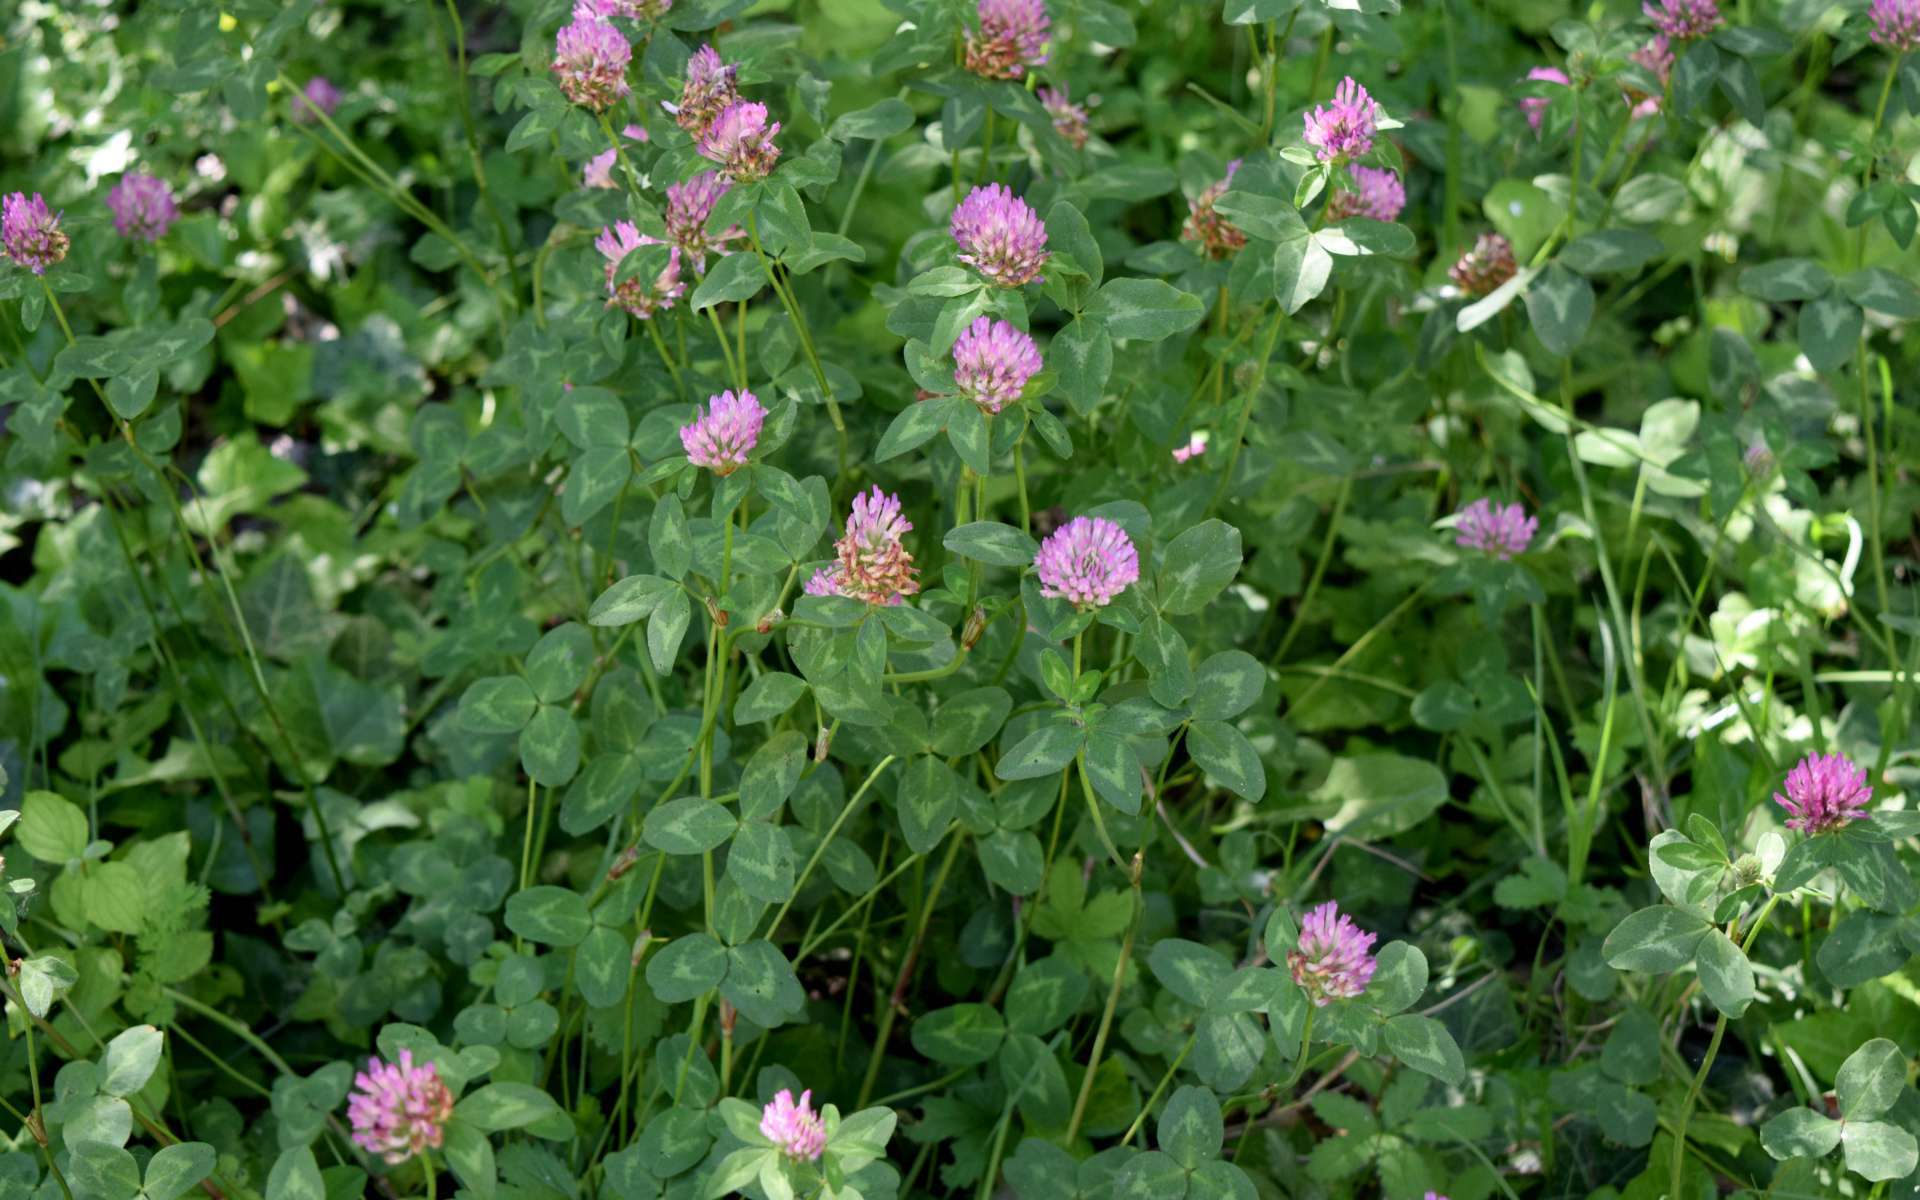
(1725, 973)
(1878, 1150)
(1190, 1127)
(1871, 1080)
(686, 967)
(689, 825)
(552, 916)
(1198, 565)
(1228, 758)
(501, 1106)
(992, 543)
(499, 704)
(1425, 1045)
(1655, 940)
(1146, 309)
(767, 697)
(760, 861)
(52, 828)
(959, 1035)
(1188, 969)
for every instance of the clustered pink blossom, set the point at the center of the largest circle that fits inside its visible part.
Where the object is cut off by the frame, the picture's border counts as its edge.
(1377, 195)
(1012, 37)
(1536, 106)
(1218, 237)
(709, 91)
(30, 233)
(1896, 25)
(1500, 530)
(319, 96)
(1485, 267)
(1758, 458)
(1343, 130)
(871, 563)
(1683, 20)
(1069, 119)
(1195, 447)
(793, 1127)
(741, 141)
(142, 207)
(591, 59)
(992, 361)
(1000, 236)
(1088, 561)
(598, 173)
(689, 205)
(637, 295)
(1332, 961)
(398, 1110)
(720, 438)
(632, 10)
(1824, 792)
(1657, 57)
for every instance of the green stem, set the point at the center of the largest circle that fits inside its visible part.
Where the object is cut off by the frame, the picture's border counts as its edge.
(1161, 1087)
(1254, 389)
(465, 87)
(806, 338)
(1113, 1002)
(1686, 1108)
(899, 994)
(426, 1156)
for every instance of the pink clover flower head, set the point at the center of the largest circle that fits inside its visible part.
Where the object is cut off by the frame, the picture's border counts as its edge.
(1377, 195)
(741, 141)
(871, 563)
(142, 207)
(1332, 960)
(591, 59)
(1218, 237)
(1896, 25)
(1069, 119)
(709, 91)
(1344, 129)
(398, 1110)
(999, 236)
(1500, 530)
(1012, 37)
(1758, 458)
(689, 205)
(1683, 20)
(720, 438)
(992, 361)
(1657, 58)
(1195, 447)
(319, 96)
(1536, 106)
(1088, 561)
(30, 232)
(1825, 792)
(636, 295)
(1485, 267)
(793, 1127)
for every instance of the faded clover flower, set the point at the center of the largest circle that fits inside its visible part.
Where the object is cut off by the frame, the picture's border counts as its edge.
(1683, 20)
(142, 207)
(1069, 119)
(709, 91)
(1657, 58)
(398, 1110)
(721, 437)
(632, 10)
(591, 57)
(636, 295)
(319, 96)
(999, 236)
(1758, 458)
(1195, 447)
(1485, 267)
(871, 564)
(1343, 130)
(793, 1127)
(1824, 792)
(1896, 25)
(1501, 531)
(1332, 960)
(1377, 195)
(30, 233)
(992, 361)
(1011, 38)
(598, 173)
(741, 141)
(1088, 561)
(1536, 106)
(1218, 237)
(689, 205)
